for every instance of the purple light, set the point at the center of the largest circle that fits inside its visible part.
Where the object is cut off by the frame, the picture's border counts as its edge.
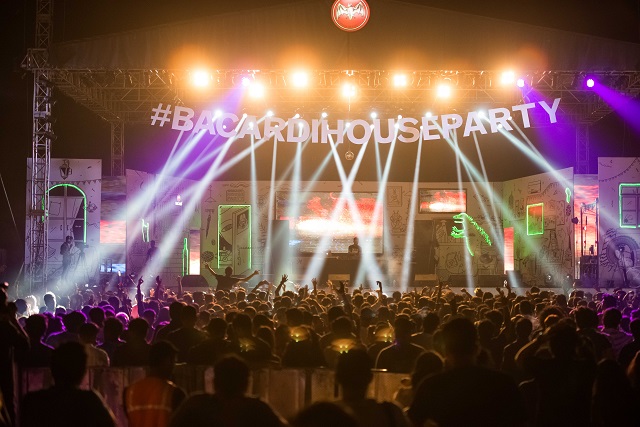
(590, 83)
(520, 83)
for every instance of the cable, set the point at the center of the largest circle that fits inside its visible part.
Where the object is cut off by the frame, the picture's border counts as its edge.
(9, 204)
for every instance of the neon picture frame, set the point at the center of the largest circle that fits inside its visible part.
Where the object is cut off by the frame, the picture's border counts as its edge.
(535, 219)
(628, 197)
(84, 197)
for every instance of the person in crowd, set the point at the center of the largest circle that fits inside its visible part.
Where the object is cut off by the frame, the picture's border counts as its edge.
(628, 352)
(14, 344)
(135, 351)
(353, 375)
(72, 323)
(187, 336)
(88, 334)
(466, 394)
(427, 364)
(614, 402)
(562, 375)
(111, 332)
(65, 404)
(151, 401)
(587, 322)
(424, 339)
(175, 314)
(611, 328)
(39, 354)
(401, 356)
(210, 350)
(226, 282)
(322, 414)
(229, 405)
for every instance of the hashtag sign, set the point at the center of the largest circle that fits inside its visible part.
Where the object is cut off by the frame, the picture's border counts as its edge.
(160, 114)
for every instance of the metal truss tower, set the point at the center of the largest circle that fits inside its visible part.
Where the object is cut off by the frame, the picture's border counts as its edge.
(117, 148)
(582, 148)
(37, 62)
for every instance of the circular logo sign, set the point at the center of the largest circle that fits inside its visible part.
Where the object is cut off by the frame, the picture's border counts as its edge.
(350, 15)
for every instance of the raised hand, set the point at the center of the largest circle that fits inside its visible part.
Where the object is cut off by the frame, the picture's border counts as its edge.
(284, 278)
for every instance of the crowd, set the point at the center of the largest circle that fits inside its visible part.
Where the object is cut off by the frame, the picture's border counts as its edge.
(471, 358)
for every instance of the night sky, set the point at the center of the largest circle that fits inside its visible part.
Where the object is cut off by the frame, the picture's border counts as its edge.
(81, 134)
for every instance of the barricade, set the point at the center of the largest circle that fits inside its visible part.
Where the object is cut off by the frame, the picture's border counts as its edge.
(287, 390)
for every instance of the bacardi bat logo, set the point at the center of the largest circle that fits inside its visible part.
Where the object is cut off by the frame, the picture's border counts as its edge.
(350, 15)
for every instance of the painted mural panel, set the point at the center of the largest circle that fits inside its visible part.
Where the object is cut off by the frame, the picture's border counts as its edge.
(450, 253)
(619, 240)
(540, 210)
(74, 210)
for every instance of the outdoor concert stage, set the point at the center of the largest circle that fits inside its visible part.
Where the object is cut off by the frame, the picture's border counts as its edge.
(283, 120)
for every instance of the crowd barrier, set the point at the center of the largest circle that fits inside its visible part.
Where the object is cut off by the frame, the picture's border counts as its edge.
(286, 390)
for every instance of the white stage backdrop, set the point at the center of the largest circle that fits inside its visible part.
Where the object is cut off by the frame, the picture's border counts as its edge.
(74, 210)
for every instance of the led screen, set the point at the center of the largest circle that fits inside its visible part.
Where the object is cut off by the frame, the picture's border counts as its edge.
(114, 232)
(321, 214)
(441, 200)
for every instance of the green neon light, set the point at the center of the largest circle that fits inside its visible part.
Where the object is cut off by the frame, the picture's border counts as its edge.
(461, 233)
(220, 208)
(84, 197)
(567, 191)
(145, 231)
(636, 194)
(185, 257)
(537, 230)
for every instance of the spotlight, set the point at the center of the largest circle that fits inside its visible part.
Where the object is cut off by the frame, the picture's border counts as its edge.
(246, 81)
(269, 113)
(482, 114)
(507, 77)
(400, 80)
(590, 83)
(520, 83)
(256, 90)
(218, 113)
(324, 114)
(300, 79)
(296, 116)
(373, 115)
(428, 114)
(200, 78)
(399, 116)
(348, 90)
(443, 91)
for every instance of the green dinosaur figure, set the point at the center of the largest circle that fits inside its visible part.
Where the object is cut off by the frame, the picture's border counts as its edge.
(461, 233)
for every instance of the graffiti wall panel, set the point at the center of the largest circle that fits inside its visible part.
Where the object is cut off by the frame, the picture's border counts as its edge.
(619, 232)
(540, 210)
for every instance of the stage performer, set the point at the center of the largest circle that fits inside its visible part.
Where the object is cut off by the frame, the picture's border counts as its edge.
(65, 251)
(355, 250)
(226, 282)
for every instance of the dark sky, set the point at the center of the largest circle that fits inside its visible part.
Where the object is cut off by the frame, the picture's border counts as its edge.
(82, 135)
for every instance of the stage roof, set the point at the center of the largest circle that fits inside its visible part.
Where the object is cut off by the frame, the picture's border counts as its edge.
(122, 76)
(399, 35)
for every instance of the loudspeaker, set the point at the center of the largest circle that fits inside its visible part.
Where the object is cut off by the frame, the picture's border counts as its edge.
(422, 280)
(279, 245)
(194, 281)
(335, 278)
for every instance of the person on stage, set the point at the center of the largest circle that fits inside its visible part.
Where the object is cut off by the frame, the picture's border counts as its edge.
(152, 250)
(65, 251)
(226, 282)
(355, 250)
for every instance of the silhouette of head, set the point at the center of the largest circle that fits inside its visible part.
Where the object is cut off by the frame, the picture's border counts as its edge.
(69, 364)
(353, 370)
(459, 337)
(162, 359)
(323, 414)
(230, 376)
